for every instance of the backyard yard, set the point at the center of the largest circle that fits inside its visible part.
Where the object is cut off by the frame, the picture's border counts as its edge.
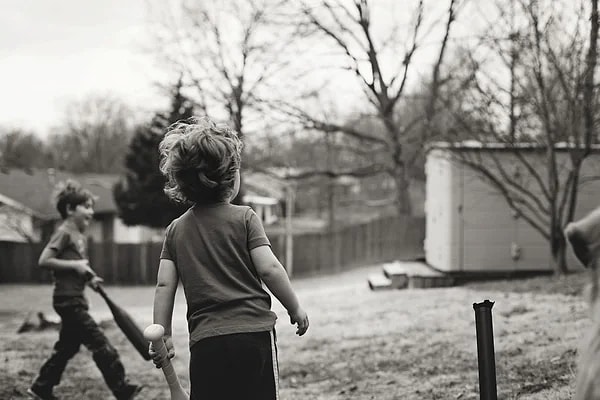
(410, 344)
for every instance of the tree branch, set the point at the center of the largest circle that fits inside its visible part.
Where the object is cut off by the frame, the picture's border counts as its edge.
(310, 122)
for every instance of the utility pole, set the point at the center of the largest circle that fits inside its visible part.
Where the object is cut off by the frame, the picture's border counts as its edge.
(289, 234)
(330, 182)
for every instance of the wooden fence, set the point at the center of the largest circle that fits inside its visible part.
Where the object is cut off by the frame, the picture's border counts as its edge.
(314, 253)
(373, 242)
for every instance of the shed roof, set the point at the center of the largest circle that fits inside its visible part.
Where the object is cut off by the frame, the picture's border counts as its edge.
(476, 145)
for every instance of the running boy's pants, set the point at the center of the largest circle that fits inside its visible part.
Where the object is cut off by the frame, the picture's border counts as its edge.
(234, 367)
(77, 328)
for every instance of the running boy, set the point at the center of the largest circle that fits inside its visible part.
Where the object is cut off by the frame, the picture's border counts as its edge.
(221, 255)
(66, 256)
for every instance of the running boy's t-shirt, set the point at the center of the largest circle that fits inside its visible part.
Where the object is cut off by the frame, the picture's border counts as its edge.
(210, 246)
(69, 244)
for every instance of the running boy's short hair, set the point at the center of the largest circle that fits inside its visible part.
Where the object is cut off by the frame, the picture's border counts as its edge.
(199, 160)
(70, 194)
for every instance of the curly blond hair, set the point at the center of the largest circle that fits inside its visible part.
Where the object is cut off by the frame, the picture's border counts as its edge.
(199, 160)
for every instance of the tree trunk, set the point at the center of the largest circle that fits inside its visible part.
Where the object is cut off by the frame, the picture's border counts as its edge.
(559, 252)
(331, 205)
(330, 162)
(402, 183)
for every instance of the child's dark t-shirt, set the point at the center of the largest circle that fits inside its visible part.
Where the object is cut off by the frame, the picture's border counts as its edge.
(210, 246)
(69, 244)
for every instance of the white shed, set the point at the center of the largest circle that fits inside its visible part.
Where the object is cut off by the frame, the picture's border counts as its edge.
(469, 224)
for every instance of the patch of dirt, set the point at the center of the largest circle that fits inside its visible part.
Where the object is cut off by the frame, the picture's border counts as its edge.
(408, 344)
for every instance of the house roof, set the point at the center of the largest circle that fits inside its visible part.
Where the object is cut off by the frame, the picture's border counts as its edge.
(285, 175)
(263, 185)
(33, 189)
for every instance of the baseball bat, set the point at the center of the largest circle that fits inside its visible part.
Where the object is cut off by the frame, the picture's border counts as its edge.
(155, 333)
(127, 324)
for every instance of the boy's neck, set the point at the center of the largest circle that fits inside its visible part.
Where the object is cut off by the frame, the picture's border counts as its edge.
(213, 203)
(210, 205)
(70, 224)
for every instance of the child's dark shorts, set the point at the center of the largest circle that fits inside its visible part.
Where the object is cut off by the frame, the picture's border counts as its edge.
(234, 367)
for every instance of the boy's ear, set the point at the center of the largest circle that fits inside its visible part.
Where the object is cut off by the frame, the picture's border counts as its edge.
(70, 208)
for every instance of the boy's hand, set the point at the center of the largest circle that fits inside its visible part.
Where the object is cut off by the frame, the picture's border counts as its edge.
(156, 358)
(94, 282)
(299, 318)
(82, 267)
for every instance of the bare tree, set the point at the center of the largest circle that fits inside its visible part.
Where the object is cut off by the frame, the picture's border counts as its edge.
(228, 52)
(383, 65)
(531, 88)
(94, 136)
(21, 149)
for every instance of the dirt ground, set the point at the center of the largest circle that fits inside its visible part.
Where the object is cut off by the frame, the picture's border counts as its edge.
(401, 344)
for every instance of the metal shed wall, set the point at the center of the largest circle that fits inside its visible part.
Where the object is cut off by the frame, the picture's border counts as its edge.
(470, 226)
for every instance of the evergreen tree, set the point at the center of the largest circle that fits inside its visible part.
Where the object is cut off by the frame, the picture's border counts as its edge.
(139, 195)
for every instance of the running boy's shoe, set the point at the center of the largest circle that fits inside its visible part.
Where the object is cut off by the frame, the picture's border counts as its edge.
(38, 394)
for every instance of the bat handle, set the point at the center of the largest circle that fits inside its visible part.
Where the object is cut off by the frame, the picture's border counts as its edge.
(154, 333)
(100, 291)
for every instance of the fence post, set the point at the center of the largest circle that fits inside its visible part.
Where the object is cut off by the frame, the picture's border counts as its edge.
(485, 350)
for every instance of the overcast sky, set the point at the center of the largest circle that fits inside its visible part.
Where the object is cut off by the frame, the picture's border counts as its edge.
(56, 51)
(53, 52)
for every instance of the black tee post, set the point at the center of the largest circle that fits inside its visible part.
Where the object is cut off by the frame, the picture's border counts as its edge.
(485, 350)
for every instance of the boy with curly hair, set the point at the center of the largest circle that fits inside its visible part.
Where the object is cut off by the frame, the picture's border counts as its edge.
(222, 256)
(66, 256)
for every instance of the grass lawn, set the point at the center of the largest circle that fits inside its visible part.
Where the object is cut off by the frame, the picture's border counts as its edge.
(410, 344)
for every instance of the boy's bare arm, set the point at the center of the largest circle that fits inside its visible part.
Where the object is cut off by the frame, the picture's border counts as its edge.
(164, 295)
(275, 277)
(48, 260)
